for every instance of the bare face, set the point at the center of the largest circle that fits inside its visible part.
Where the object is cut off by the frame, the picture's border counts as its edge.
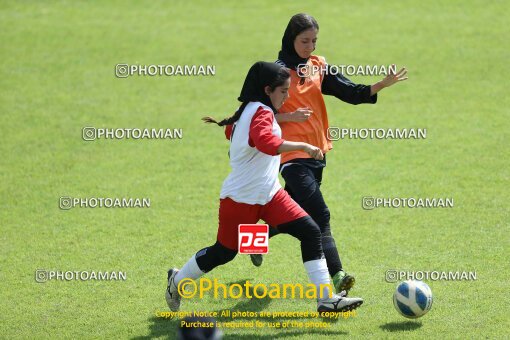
(304, 44)
(279, 95)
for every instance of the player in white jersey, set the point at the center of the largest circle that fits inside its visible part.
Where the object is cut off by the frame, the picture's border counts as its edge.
(252, 192)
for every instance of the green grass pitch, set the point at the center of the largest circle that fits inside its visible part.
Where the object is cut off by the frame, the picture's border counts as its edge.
(57, 76)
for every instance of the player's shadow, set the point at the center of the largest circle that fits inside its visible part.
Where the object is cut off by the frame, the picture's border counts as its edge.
(251, 305)
(167, 328)
(258, 305)
(283, 334)
(161, 328)
(401, 326)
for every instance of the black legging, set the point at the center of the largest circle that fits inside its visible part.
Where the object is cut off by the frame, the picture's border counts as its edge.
(304, 229)
(303, 183)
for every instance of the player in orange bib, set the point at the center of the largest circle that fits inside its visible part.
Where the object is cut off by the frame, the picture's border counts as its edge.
(252, 191)
(303, 117)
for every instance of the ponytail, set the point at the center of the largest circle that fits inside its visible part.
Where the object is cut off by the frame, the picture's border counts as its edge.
(227, 121)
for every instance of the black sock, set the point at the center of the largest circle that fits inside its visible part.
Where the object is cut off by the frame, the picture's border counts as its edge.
(331, 254)
(273, 231)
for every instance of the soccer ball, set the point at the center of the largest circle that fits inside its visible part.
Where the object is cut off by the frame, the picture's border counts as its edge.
(412, 299)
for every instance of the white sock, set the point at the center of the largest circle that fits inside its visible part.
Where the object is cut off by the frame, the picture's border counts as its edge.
(318, 273)
(189, 270)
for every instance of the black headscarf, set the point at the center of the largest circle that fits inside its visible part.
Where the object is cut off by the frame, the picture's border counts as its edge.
(297, 24)
(260, 75)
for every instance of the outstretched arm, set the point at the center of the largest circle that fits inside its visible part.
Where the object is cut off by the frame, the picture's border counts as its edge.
(339, 86)
(336, 84)
(389, 80)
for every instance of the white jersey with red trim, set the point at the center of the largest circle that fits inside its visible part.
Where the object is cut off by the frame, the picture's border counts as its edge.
(254, 175)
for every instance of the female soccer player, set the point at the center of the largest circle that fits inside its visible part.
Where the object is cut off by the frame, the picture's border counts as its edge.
(252, 190)
(304, 118)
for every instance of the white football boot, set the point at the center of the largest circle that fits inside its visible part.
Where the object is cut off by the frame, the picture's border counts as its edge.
(338, 303)
(173, 298)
